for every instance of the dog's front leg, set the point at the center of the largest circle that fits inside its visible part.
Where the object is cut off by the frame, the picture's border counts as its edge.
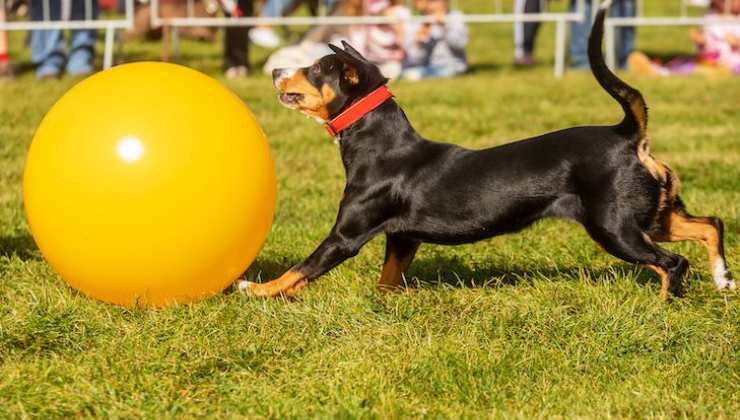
(332, 252)
(353, 229)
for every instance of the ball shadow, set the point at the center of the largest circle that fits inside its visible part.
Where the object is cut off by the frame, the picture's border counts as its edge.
(21, 246)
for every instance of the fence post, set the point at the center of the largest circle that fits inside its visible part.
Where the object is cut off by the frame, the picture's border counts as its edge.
(110, 33)
(559, 48)
(175, 36)
(611, 59)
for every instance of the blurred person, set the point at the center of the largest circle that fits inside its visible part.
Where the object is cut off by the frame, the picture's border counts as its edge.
(437, 48)
(264, 35)
(48, 46)
(236, 45)
(525, 33)
(383, 44)
(717, 45)
(624, 35)
(6, 70)
(142, 24)
(313, 44)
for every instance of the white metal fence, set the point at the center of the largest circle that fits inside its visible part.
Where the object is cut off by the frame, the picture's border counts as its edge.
(110, 25)
(561, 20)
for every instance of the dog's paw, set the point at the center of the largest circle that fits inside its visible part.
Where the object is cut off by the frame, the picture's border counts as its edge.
(723, 278)
(730, 282)
(256, 290)
(245, 287)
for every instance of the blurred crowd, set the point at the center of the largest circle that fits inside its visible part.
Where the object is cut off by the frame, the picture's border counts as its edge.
(405, 49)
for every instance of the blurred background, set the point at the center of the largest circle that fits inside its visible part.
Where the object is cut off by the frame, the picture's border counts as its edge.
(409, 39)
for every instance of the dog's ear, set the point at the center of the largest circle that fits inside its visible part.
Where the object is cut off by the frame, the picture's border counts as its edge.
(335, 49)
(357, 70)
(344, 56)
(352, 66)
(353, 52)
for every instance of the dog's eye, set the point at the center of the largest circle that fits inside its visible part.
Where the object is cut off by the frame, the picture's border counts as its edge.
(315, 70)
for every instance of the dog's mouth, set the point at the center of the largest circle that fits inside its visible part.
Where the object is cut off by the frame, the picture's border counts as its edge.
(291, 98)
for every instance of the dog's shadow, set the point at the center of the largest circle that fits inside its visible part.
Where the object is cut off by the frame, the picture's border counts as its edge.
(431, 272)
(450, 271)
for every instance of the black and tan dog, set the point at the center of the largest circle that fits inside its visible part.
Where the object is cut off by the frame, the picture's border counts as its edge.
(415, 190)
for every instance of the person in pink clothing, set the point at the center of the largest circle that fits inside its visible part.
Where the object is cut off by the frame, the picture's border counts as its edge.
(718, 47)
(382, 44)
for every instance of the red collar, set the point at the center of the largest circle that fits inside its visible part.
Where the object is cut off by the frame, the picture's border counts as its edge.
(358, 110)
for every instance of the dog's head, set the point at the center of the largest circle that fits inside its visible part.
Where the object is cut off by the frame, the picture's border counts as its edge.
(325, 88)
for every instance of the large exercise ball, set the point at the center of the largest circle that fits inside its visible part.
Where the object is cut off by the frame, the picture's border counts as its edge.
(149, 184)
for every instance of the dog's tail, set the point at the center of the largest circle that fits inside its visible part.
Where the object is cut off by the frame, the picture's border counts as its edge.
(635, 109)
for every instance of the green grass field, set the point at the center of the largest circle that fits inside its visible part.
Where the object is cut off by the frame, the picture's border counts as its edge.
(538, 324)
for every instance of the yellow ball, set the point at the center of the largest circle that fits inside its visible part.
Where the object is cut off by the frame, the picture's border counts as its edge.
(149, 184)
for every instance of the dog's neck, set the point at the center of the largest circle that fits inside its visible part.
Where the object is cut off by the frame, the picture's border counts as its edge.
(357, 109)
(382, 131)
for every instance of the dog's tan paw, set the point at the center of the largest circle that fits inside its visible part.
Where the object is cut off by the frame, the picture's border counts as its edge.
(286, 285)
(252, 289)
(245, 287)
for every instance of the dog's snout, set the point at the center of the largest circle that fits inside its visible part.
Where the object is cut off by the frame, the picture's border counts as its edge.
(278, 75)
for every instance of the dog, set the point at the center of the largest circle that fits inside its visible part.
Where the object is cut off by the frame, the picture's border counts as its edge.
(415, 190)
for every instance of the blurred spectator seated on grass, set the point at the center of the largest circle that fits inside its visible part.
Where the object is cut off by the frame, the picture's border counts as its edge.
(382, 44)
(717, 44)
(437, 48)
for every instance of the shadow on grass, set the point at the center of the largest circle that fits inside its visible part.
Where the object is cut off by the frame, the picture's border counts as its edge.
(666, 56)
(483, 68)
(431, 272)
(21, 246)
(265, 269)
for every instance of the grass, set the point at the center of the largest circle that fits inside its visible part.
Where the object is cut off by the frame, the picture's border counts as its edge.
(538, 324)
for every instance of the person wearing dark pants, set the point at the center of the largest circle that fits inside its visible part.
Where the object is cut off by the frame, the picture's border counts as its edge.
(236, 45)
(525, 32)
(625, 35)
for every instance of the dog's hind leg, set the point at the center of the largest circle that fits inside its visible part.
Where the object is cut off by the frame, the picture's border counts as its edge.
(399, 252)
(630, 244)
(709, 231)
